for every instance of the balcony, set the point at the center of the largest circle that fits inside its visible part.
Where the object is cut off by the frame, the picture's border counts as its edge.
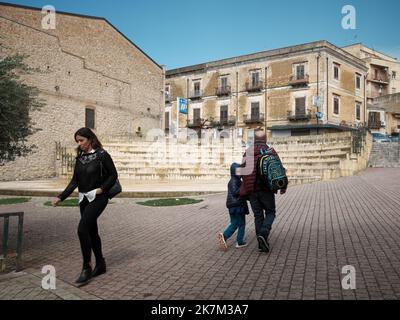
(229, 121)
(195, 123)
(253, 118)
(299, 116)
(168, 98)
(223, 91)
(376, 125)
(299, 80)
(196, 94)
(254, 86)
(380, 78)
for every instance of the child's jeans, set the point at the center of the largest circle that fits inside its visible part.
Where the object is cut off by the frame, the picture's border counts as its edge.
(238, 221)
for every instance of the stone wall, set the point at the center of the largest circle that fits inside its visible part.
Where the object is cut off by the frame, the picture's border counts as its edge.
(85, 63)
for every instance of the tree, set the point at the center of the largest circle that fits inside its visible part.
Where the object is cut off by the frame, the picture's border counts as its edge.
(17, 100)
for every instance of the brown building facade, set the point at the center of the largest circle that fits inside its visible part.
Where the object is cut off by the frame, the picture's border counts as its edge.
(276, 89)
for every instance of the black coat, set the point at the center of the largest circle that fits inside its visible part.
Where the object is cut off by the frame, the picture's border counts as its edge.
(233, 198)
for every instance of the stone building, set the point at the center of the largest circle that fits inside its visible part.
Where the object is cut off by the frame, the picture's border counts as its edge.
(276, 89)
(389, 108)
(92, 76)
(383, 79)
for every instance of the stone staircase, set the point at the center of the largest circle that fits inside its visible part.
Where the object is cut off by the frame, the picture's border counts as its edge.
(306, 159)
(385, 155)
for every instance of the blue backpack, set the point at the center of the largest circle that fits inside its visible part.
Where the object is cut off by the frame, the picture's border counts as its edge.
(270, 172)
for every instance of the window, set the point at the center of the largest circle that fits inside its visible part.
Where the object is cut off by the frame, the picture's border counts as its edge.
(89, 118)
(300, 71)
(336, 105)
(300, 106)
(358, 111)
(393, 90)
(393, 75)
(168, 93)
(255, 110)
(196, 114)
(336, 71)
(358, 81)
(167, 120)
(196, 86)
(255, 78)
(224, 113)
(374, 119)
(223, 82)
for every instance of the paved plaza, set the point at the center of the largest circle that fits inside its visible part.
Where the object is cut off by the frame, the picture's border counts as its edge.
(172, 252)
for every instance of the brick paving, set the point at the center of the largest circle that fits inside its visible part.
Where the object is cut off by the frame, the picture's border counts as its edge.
(172, 252)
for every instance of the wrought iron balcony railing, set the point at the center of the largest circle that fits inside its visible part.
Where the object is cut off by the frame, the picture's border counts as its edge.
(298, 116)
(252, 86)
(196, 94)
(195, 123)
(253, 118)
(299, 79)
(229, 121)
(223, 91)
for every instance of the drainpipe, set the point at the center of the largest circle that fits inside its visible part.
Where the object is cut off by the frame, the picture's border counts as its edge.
(365, 99)
(327, 90)
(265, 99)
(162, 104)
(318, 56)
(237, 100)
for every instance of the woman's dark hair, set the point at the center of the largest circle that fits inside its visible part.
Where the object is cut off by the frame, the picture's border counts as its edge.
(89, 134)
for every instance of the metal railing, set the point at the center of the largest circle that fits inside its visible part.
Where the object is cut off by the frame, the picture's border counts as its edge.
(382, 78)
(299, 79)
(193, 123)
(253, 118)
(6, 219)
(376, 124)
(223, 91)
(67, 159)
(196, 94)
(254, 86)
(229, 121)
(297, 116)
(358, 137)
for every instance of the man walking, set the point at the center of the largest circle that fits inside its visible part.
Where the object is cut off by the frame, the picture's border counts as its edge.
(262, 199)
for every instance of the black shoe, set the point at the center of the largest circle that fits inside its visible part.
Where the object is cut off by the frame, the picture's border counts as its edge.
(99, 269)
(263, 244)
(84, 277)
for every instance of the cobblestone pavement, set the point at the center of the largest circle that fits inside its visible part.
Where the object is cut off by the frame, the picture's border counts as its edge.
(172, 252)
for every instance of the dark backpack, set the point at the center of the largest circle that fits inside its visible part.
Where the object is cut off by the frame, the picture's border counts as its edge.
(270, 172)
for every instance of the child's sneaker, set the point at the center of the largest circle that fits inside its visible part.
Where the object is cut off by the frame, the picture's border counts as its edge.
(222, 242)
(241, 245)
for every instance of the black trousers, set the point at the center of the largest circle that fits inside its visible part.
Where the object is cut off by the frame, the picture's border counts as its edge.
(263, 206)
(87, 229)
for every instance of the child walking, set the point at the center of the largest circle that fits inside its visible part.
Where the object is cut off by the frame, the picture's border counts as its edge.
(238, 209)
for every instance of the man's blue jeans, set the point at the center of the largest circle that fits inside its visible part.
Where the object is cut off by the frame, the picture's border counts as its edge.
(263, 206)
(238, 221)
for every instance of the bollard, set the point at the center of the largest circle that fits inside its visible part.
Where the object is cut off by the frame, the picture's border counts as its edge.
(6, 217)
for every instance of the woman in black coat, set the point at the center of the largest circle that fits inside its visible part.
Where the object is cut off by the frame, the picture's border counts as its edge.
(94, 174)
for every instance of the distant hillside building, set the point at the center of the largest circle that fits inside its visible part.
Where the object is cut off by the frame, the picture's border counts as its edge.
(93, 76)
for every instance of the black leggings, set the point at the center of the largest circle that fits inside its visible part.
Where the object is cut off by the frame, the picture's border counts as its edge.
(87, 229)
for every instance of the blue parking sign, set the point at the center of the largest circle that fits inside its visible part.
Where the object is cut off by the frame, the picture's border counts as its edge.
(183, 105)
